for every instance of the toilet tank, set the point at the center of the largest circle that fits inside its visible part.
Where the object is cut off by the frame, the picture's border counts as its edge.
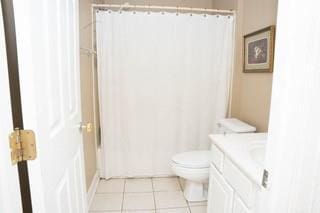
(233, 125)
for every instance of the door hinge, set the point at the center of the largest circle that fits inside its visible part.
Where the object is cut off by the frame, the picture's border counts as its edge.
(22, 145)
(265, 178)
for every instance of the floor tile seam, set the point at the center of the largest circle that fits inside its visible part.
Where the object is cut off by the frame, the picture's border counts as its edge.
(124, 188)
(182, 192)
(167, 190)
(170, 208)
(189, 207)
(153, 193)
(139, 192)
(142, 209)
(108, 193)
(175, 206)
(197, 205)
(180, 184)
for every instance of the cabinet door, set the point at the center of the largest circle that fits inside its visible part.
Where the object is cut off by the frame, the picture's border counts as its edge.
(239, 206)
(220, 193)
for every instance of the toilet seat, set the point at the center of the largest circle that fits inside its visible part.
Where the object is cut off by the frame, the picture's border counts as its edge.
(193, 159)
(197, 175)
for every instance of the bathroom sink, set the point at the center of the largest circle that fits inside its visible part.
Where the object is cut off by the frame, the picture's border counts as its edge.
(246, 151)
(258, 154)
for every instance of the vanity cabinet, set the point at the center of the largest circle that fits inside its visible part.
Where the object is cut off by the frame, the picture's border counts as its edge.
(221, 191)
(230, 190)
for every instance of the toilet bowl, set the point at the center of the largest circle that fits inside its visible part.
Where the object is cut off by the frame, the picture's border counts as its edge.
(194, 168)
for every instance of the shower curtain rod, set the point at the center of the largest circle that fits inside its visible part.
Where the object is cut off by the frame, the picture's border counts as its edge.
(152, 7)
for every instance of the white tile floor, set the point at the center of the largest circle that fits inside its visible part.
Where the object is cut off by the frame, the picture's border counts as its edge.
(148, 195)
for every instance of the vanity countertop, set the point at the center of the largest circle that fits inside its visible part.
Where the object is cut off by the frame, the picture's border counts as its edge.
(247, 151)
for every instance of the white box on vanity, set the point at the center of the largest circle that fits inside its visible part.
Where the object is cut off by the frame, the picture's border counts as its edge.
(236, 172)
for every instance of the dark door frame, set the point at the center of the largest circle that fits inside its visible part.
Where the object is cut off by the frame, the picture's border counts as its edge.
(16, 107)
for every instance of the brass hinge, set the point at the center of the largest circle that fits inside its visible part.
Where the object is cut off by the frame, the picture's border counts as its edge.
(23, 145)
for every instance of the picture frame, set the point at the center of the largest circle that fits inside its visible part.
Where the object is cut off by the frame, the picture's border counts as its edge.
(259, 51)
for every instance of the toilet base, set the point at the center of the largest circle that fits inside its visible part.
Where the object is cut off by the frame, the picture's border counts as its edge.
(195, 191)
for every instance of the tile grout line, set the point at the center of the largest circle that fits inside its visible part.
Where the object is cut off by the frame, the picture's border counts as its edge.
(189, 207)
(124, 189)
(180, 184)
(153, 184)
(182, 192)
(154, 197)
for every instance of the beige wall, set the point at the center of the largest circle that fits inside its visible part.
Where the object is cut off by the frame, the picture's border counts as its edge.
(251, 94)
(87, 91)
(225, 4)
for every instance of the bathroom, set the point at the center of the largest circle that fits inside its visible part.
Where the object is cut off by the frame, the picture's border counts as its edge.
(126, 168)
(189, 106)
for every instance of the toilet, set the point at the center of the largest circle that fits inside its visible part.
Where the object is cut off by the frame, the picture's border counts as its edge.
(193, 166)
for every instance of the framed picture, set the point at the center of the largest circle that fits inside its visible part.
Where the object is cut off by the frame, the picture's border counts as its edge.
(259, 51)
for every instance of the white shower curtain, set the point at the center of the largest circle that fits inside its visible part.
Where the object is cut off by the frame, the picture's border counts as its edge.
(163, 84)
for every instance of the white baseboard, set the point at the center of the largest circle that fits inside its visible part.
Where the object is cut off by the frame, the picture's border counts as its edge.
(93, 188)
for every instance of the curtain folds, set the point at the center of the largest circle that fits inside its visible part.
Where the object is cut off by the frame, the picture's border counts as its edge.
(163, 84)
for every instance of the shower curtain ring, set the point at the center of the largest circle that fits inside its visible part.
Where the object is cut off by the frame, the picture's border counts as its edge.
(149, 9)
(135, 8)
(177, 11)
(191, 9)
(109, 8)
(205, 12)
(229, 15)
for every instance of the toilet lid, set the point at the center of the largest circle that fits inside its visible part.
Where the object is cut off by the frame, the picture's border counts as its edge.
(194, 159)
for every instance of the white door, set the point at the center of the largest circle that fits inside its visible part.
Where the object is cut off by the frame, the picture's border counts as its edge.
(220, 198)
(293, 147)
(48, 53)
(9, 183)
